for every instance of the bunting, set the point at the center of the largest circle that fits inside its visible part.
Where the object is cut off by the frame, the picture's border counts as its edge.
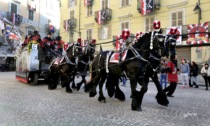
(101, 17)
(87, 3)
(65, 25)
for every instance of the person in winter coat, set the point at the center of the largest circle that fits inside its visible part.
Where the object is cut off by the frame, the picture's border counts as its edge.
(205, 71)
(172, 76)
(194, 74)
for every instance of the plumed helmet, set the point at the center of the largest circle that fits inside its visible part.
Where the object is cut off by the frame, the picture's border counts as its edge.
(36, 32)
(79, 40)
(49, 33)
(58, 38)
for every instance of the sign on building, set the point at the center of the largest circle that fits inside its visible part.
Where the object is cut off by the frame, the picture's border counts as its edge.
(198, 33)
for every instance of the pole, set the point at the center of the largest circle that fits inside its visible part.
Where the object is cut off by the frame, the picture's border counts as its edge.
(79, 17)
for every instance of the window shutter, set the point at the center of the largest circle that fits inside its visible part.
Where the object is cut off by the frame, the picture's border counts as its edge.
(122, 3)
(122, 26)
(126, 25)
(180, 20)
(109, 31)
(127, 2)
(151, 22)
(173, 19)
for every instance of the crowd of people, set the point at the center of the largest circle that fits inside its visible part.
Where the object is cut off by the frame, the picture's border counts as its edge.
(48, 44)
(188, 74)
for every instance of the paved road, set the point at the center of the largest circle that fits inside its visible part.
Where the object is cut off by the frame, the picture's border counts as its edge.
(25, 105)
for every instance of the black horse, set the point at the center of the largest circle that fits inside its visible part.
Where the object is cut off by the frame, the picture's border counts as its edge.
(135, 65)
(84, 60)
(62, 69)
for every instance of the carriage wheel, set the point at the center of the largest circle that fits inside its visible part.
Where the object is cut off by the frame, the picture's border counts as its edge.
(34, 79)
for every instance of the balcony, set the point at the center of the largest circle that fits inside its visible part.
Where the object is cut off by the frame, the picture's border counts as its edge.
(103, 16)
(18, 18)
(72, 23)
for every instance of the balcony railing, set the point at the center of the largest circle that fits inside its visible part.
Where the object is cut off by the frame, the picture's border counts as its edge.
(103, 16)
(15, 18)
(72, 23)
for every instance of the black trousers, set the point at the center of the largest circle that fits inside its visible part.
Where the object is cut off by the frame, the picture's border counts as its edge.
(207, 81)
(171, 88)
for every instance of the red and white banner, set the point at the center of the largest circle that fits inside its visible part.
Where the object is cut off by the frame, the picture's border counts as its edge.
(65, 25)
(147, 6)
(198, 33)
(13, 36)
(101, 17)
(13, 18)
(179, 32)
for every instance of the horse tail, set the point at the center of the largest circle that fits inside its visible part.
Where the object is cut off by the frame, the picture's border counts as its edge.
(91, 76)
(110, 86)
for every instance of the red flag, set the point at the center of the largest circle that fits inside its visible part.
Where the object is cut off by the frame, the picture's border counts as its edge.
(99, 17)
(13, 18)
(117, 42)
(13, 36)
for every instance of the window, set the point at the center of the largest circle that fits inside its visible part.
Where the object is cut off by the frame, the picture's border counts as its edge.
(89, 10)
(125, 25)
(71, 14)
(104, 32)
(14, 8)
(71, 3)
(89, 34)
(149, 23)
(31, 15)
(104, 4)
(124, 2)
(177, 18)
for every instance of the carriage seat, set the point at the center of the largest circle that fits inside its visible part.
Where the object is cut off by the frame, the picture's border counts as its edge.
(115, 57)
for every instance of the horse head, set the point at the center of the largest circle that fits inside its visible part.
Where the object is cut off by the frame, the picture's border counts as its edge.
(90, 49)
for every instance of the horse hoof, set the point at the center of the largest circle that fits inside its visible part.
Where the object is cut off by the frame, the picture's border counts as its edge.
(52, 87)
(91, 94)
(137, 109)
(69, 91)
(102, 99)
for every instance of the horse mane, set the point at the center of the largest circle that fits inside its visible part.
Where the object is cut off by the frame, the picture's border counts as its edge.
(143, 42)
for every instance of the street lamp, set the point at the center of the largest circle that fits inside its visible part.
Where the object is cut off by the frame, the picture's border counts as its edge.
(197, 9)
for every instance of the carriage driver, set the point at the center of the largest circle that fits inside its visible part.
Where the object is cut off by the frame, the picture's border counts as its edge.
(47, 43)
(58, 45)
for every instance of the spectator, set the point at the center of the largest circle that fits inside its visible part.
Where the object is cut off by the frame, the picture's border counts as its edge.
(27, 40)
(194, 74)
(190, 84)
(205, 71)
(185, 72)
(163, 74)
(172, 76)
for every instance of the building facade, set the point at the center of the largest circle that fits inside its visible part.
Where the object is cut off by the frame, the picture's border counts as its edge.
(27, 16)
(104, 19)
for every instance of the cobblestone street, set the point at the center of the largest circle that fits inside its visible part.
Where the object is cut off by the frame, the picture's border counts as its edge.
(26, 105)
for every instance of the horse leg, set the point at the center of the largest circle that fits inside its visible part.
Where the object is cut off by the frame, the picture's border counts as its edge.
(101, 83)
(67, 83)
(81, 82)
(161, 95)
(118, 93)
(94, 84)
(73, 82)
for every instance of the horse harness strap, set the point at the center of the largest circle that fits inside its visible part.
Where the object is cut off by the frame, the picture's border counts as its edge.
(137, 55)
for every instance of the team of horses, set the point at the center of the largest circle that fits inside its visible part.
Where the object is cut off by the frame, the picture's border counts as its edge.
(140, 61)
